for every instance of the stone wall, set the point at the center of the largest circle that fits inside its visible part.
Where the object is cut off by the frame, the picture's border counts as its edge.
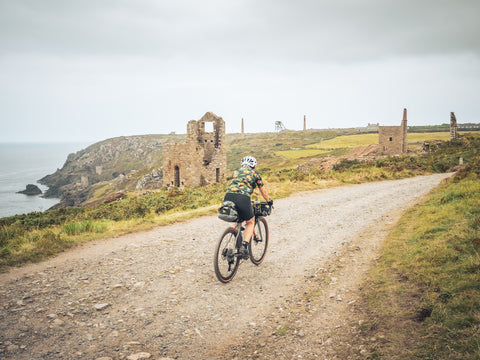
(201, 159)
(392, 140)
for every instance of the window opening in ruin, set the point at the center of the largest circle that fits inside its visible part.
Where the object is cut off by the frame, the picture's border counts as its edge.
(217, 175)
(177, 176)
(209, 127)
(390, 139)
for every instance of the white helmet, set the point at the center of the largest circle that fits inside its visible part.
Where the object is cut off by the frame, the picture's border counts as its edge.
(249, 161)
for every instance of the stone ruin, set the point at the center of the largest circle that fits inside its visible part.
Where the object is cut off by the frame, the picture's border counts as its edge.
(392, 140)
(453, 127)
(201, 159)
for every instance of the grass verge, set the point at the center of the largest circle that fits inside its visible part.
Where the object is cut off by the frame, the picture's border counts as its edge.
(423, 296)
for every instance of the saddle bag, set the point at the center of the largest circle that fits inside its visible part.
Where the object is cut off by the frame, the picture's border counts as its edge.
(228, 212)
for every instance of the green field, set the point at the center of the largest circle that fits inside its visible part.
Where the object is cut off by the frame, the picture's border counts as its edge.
(351, 141)
(346, 141)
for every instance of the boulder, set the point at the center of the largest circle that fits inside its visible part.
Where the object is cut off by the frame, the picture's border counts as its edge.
(31, 190)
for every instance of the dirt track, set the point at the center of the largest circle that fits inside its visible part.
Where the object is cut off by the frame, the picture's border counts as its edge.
(155, 293)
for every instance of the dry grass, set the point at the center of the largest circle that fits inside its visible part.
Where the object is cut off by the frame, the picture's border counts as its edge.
(423, 296)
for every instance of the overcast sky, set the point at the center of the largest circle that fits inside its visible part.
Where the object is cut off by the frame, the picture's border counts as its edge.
(95, 69)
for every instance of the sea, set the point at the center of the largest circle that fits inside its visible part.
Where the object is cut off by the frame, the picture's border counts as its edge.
(25, 163)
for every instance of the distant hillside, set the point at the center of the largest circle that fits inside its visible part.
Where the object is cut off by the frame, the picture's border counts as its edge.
(108, 168)
(131, 163)
(108, 160)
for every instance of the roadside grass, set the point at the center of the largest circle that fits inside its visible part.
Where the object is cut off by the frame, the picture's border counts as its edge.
(423, 296)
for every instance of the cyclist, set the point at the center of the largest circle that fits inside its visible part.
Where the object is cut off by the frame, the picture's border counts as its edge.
(244, 181)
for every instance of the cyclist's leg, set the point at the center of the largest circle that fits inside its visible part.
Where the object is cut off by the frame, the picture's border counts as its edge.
(247, 235)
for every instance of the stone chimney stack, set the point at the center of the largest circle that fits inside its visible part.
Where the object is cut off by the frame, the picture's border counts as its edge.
(243, 128)
(404, 130)
(304, 122)
(453, 126)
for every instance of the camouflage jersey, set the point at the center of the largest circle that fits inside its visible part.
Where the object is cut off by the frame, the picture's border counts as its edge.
(244, 181)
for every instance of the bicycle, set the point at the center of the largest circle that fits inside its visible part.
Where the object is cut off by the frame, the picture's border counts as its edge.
(227, 254)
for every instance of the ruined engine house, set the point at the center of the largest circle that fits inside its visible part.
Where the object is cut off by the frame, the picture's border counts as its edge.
(201, 159)
(393, 139)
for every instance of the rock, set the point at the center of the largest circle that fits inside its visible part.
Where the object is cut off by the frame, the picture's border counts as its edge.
(101, 306)
(58, 322)
(138, 356)
(31, 190)
(131, 344)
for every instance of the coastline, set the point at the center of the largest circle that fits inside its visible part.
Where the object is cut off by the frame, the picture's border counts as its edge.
(26, 163)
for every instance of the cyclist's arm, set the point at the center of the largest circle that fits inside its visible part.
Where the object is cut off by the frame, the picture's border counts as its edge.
(264, 193)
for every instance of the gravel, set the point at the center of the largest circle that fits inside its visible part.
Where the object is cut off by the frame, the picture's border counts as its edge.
(154, 294)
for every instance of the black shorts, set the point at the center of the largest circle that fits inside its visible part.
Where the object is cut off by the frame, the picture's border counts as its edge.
(243, 204)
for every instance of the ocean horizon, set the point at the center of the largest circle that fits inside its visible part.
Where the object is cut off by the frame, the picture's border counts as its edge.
(26, 163)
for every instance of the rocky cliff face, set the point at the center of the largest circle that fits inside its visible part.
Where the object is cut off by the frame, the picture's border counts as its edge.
(127, 162)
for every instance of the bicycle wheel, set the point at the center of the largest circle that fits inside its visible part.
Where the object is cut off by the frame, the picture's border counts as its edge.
(259, 243)
(225, 262)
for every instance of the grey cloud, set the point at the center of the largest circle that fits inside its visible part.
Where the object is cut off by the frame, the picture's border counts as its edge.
(251, 30)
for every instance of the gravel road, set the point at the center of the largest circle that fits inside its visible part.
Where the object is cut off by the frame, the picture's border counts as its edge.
(154, 294)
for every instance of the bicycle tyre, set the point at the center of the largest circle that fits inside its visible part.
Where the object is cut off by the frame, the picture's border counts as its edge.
(225, 262)
(257, 247)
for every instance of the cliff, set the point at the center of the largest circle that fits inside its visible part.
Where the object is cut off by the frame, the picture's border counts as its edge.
(113, 165)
